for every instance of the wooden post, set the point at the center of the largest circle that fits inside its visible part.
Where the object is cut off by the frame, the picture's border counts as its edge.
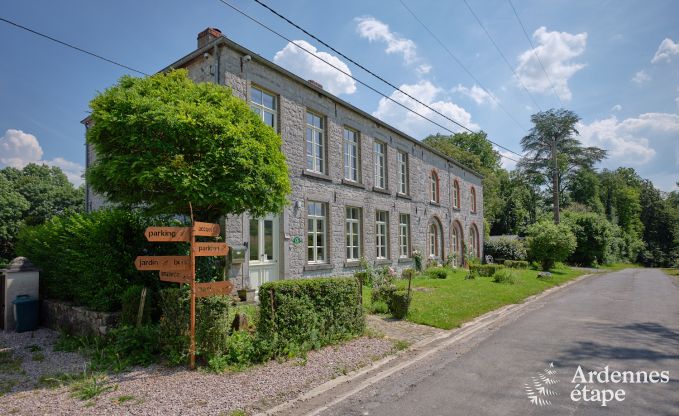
(192, 282)
(142, 300)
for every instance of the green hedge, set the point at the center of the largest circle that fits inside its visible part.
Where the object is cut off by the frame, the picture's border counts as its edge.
(303, 314)
(89, 258)
(485, 270)
(516, 264)
(505, 248)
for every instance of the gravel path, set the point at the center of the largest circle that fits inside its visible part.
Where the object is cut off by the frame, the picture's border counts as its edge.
(158, 390)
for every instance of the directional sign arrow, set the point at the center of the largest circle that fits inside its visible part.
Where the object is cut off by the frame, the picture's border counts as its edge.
(213, 288)
(206, 229)
(164, 263)
(210, 249)
(168, 233)
(175, 277)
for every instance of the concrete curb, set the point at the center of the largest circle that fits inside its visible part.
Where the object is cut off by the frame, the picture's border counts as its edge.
(446, 339)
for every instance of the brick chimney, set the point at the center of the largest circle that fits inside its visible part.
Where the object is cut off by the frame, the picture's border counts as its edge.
(208, 35)
(315, 83)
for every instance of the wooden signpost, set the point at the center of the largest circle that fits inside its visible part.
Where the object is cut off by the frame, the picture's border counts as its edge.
(182, 269)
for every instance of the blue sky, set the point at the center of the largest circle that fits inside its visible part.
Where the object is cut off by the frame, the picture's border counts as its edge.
(615, 63)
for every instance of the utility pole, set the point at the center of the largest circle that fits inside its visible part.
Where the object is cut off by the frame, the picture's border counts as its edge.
(555, 184)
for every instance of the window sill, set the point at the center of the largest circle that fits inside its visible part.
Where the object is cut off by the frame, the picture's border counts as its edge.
(405, 260)
(352, 183)
(312, 267)
(316, 175)
(404, 196)
(381, 190)
(351, 263)
(381, 262)
(456, 209)
(434, 203)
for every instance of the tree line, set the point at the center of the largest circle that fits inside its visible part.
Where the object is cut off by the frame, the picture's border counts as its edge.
(557, 178)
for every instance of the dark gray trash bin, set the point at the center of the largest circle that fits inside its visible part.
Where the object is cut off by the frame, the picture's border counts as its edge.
(26, 311)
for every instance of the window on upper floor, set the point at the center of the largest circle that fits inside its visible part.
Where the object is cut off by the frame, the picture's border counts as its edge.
(456, 194)
(402, 160)
(315, 143)
(473, 200)
(263, 104)
(380, 154)
(352, 159)
(434, 187)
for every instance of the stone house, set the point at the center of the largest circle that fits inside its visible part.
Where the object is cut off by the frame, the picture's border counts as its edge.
(360, 188)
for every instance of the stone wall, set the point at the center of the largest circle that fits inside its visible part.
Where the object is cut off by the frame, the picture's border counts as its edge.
(76, 320)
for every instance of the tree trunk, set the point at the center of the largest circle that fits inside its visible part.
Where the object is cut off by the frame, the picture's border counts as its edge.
(555, 185)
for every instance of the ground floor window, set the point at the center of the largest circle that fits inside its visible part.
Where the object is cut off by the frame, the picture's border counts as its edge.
(316, 232)
(353, 233)
(404, 235)
(474, 241)
(382, 234)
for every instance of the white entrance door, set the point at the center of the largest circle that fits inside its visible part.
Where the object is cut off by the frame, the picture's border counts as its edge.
(264, 247)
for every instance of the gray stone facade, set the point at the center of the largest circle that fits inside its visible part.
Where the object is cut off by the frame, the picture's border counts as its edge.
(222, 61)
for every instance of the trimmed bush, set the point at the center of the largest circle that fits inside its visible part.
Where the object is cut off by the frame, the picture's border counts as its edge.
(437, 272)
(298, 315)
(379, 307)
(88, 259)
(505, 248)
(484, 270)
(382, 293)
(408, 273)
(505, 276)
(516, 264)
(399, 301)
(549, 243)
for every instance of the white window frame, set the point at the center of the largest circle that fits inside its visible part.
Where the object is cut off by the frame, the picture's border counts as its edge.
(474, 240)
(380, 154)
(404, 235)
(352, 230)
(319, 215)
(260, 109)
(402, 158)
(433, 234)
(456, 194)
(315, 142)
(434, 186)
(352, 155)
(381, 234)
(472, 197)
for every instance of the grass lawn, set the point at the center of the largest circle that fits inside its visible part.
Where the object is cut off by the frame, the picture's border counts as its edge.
(447, 303)
(672, 272)
(618, 266)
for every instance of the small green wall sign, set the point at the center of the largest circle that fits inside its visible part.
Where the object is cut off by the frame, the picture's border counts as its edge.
(296, 240)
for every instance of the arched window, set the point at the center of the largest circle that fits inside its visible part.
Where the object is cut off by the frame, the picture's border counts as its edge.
(434, 187)
(456, 240)
(473, 200)
(435, 241)
(474, 241)
(456, 194)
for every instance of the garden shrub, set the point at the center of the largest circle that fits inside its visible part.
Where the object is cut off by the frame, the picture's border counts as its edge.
(382, 293)
(408, 273)
(549, 243)
(516, 264)
(505, 248)
(379, 306)
(130, 306)
(505, 276)
(595, 236)
(212, 326)
(89, 258)
(298, 315)
(399, 301)
(484, 270)
(437, 272)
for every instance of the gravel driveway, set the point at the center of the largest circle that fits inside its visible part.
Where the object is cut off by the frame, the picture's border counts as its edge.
(158, 390)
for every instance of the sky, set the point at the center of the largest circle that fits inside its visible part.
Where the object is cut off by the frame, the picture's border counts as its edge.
(614, 63)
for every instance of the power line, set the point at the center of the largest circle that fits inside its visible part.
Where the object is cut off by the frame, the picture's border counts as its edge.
(530, 42)
(363, 68)
(502, 54)
(72, 46)
(464, 68)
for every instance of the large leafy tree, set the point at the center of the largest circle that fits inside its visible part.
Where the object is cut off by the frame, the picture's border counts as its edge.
(164, 141)
(31, 196)
(661, 228)
(553, 154)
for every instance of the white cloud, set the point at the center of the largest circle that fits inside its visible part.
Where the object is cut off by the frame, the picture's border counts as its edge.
(18, 149)
(478, 94)
(415, 125)
(647, 142)
(423, 69)
(665, 51)
(616, 107)
(556, 51)
(306, 66)
(375, 30)
(641, 77)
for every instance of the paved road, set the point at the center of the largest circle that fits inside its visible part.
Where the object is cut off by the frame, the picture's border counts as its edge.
(628, 321)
